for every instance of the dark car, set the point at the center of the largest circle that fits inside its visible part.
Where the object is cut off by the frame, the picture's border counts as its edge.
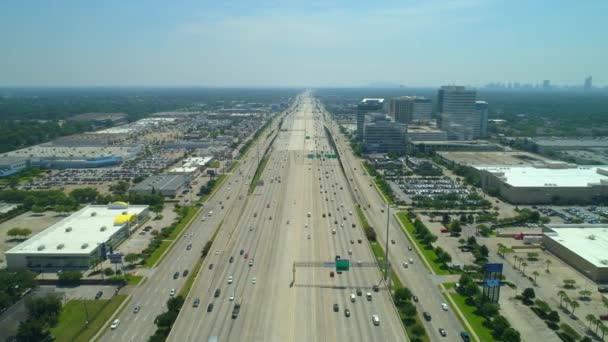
(185, 273)
(242, 251)
(175, 275)
(346, 312)
(189, 247)
(231, 259)
(336, 308)
(426, 316)
(98, 294)
(217, 292)
(210, 266)
(359, 292)
(210, 307)
(415, 299)
(465, 336)
(376, 288)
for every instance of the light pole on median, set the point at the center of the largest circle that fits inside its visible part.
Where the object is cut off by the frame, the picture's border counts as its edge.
(386, 263)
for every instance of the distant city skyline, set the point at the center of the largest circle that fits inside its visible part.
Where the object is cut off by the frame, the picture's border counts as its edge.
(417, 43)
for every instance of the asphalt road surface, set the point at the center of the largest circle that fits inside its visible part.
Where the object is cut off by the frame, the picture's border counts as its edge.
(416, 277)
(273, 228)
(153, 294)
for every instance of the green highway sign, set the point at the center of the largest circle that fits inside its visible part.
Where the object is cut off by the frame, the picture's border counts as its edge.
(310, 156)
(342, 265)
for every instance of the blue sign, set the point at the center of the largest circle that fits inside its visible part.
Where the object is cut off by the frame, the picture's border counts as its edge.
(492, 283)
(115, 258)
(493, 268)
(329, 264)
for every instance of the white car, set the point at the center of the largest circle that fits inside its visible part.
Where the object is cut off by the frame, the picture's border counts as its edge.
(203, 218)
(231, 298)
(254, 280)
(411, 260)
(444, 306)
(172, 292)
(115, 324)
(230, 279)
(350, 252)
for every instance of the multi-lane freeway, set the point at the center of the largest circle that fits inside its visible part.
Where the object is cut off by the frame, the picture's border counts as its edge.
(153, 294)
(287, 220)
(416, 277)
(273, 257)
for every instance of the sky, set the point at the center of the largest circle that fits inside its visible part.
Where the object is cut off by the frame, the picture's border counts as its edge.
(301, 43)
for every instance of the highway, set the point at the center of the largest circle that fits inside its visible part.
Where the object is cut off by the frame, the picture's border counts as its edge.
(273, 228)
(153, 294)
(416, 277)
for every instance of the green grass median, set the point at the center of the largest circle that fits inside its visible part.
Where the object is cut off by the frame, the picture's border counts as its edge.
(157, 253)
(258, 175)
(474, 320)
(71, 325)
(424, 251)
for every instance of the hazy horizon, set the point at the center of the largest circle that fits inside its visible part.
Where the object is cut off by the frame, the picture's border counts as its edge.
(420, 44)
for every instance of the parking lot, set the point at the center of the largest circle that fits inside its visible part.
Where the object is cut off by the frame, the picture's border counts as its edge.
(154, 162)
(578, 214)
(431, 186)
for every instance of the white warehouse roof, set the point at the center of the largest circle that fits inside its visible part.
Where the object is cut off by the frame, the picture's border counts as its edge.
(81, 232)
(531, 176)
(590, 242)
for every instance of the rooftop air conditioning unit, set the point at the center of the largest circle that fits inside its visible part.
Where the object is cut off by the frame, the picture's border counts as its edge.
(84, 245)
(60, 246)
(68, 229)
(591, 237)
(103, 228)
(94, 213)
(41, 247)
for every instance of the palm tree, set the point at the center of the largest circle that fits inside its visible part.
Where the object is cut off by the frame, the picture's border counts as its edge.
(548, 262)
(515, 259)
(561, 294)
(591, 319)
(598, 324)
(566, 302)
(524, 264)
(535, 274)
(604, 330)
(574, 304)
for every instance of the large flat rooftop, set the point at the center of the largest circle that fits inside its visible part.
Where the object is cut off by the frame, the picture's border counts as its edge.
(530, 176)
(81, 232)
(515, 158)
(590, 242)
(50, 151)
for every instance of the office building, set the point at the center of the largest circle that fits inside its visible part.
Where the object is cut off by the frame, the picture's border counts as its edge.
(77, 241)
(365, 107)
(481, 130)
(582, 246)
(456, 107)
(588, 84)
(407, 109)
(550, 182)
(425, 133)
(384, 135)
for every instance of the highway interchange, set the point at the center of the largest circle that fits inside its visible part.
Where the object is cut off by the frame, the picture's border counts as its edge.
(272, 227)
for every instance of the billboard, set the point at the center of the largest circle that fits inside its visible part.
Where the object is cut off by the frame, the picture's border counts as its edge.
(492, 275)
